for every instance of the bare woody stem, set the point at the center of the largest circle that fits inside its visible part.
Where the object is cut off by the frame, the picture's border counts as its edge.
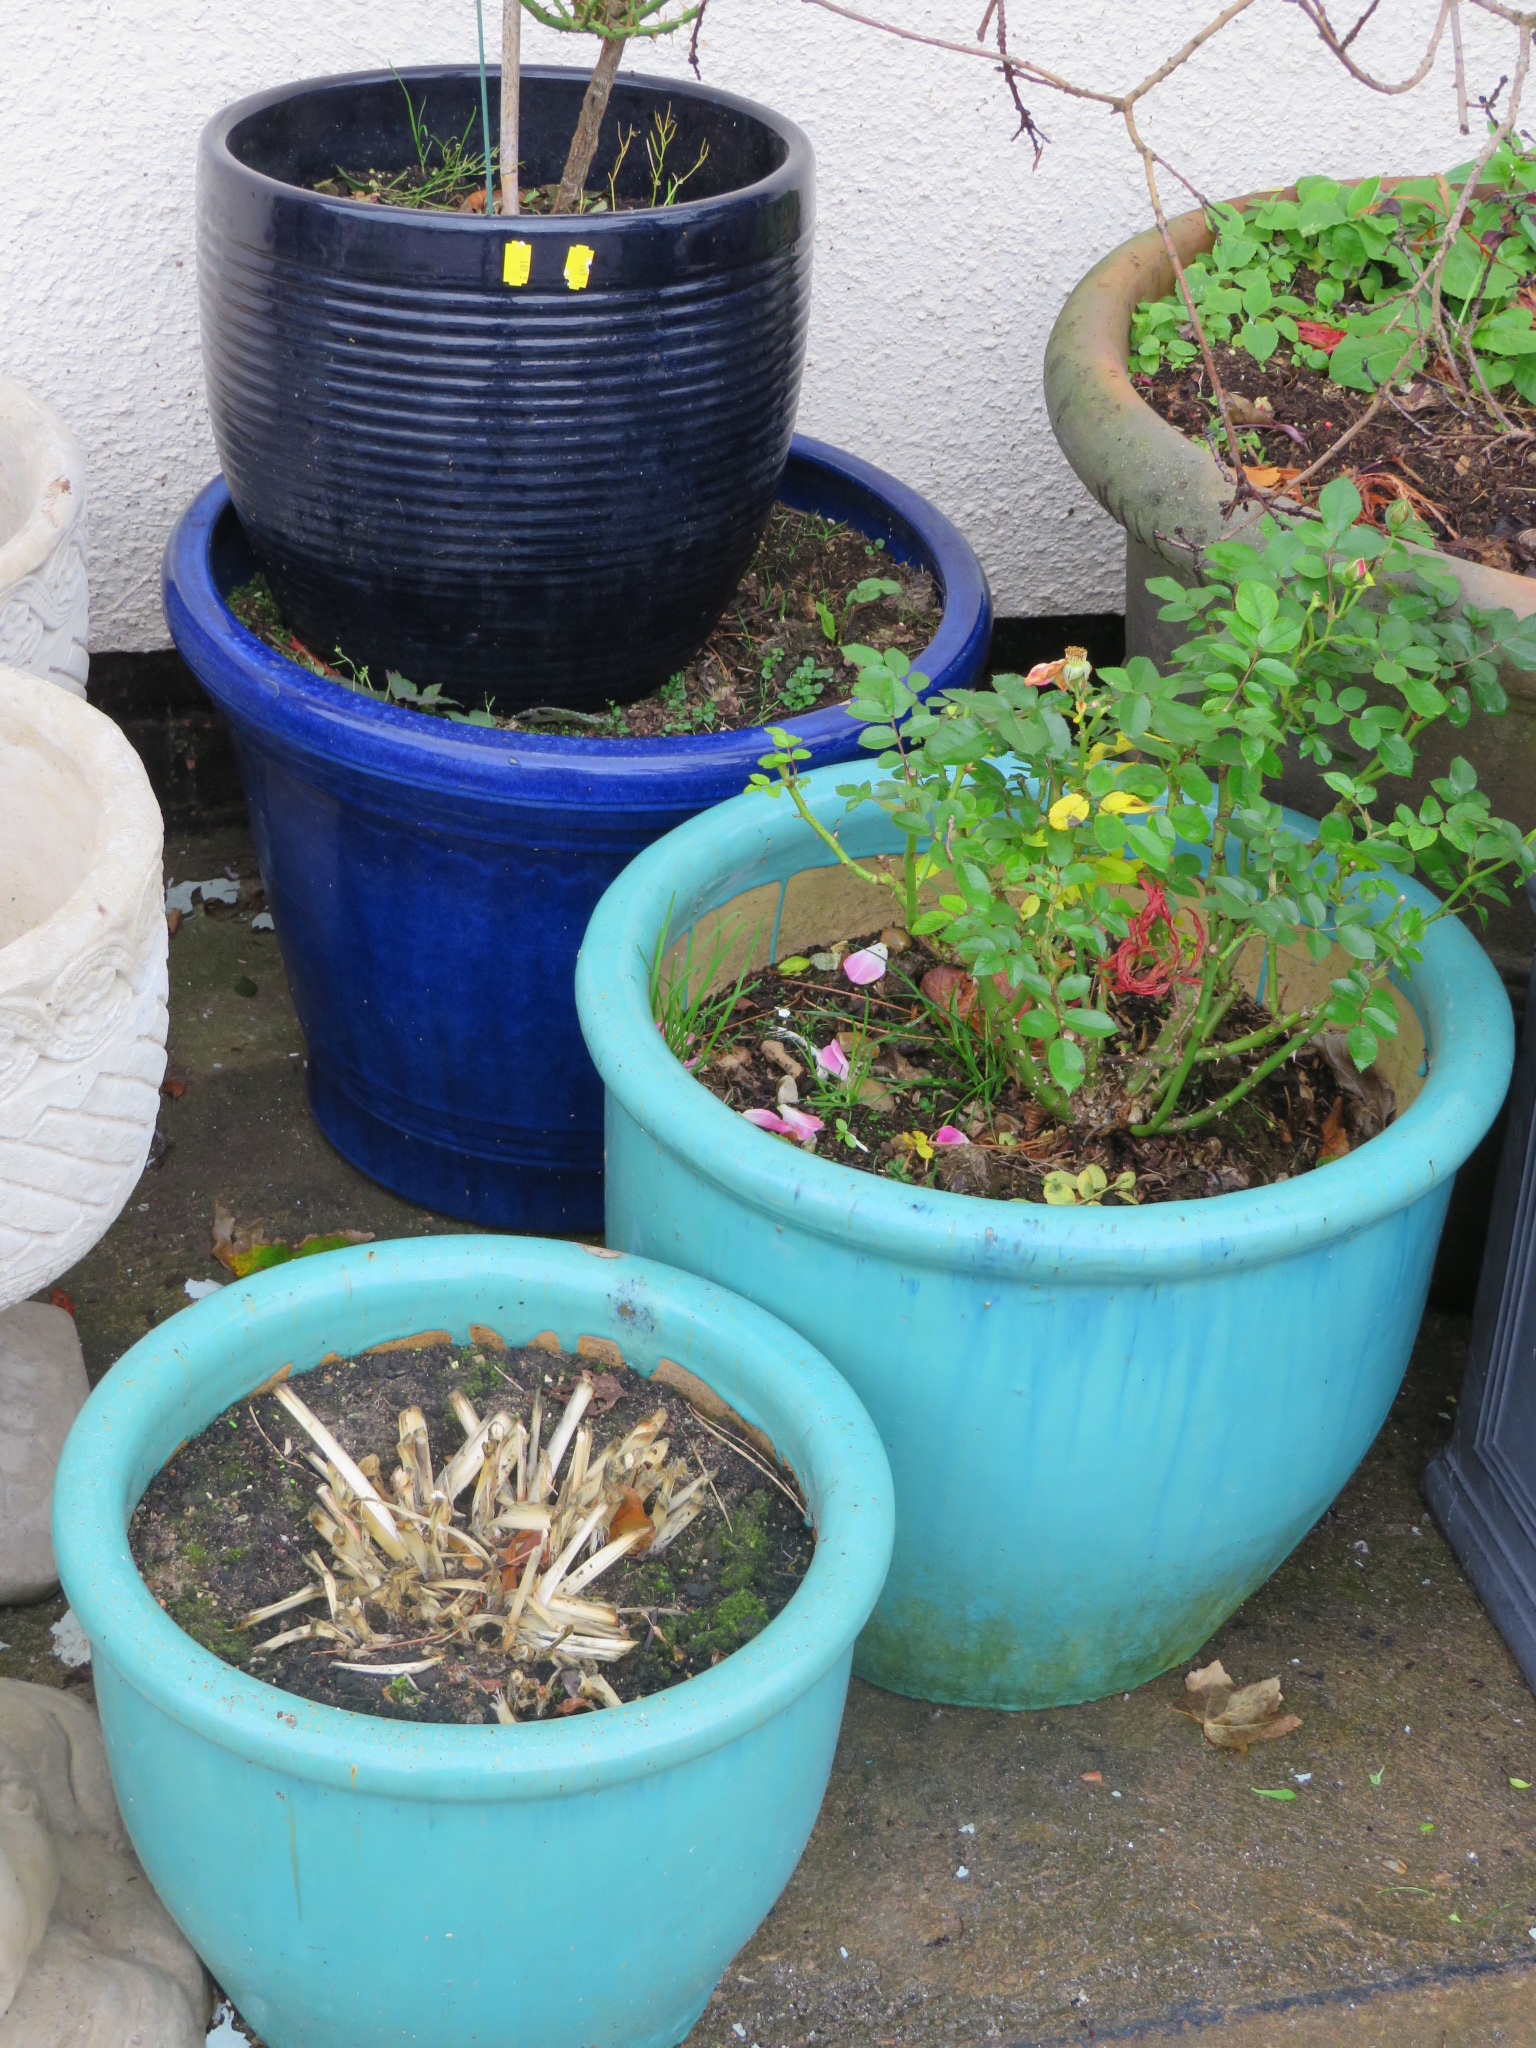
(573, 180)
(511, 96)
(1218, 392)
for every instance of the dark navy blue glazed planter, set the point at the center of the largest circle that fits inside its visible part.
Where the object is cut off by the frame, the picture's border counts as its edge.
(431, 882)
(525, 457)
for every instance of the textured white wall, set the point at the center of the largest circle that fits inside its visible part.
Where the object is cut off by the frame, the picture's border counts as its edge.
(941, 261)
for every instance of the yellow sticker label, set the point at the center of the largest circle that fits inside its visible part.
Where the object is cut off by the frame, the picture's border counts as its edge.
(578, 266)
(516, 263)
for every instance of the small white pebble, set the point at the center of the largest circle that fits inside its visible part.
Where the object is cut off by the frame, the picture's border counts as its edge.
(1114, 1795)
(1295, 1660)
(740, 2031)
(843, 1953)
(1302, 1777)
(962, 1871)
(1406, 1729)
(969, 1828)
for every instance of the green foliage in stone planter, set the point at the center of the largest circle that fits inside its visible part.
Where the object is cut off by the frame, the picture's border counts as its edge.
(1039, 808)
(1340, 274)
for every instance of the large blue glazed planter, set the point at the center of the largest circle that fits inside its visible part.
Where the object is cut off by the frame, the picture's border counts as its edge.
(578, 1884)
(1106, 1427)
(431, 882)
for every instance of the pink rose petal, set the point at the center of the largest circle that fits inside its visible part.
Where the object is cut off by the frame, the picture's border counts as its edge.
(766, 1120)
(864, 967)
(833, 1060)
(794, 1123)
(800, 1122)
(946, 1134)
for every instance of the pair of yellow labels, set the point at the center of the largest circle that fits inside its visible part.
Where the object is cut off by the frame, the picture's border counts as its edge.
(517, 262)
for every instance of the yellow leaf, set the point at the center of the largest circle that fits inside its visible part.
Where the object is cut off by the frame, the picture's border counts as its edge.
(1120, 802)
(1068, 810)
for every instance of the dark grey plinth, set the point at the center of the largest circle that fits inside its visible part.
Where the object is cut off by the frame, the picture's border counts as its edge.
(1482, 1486)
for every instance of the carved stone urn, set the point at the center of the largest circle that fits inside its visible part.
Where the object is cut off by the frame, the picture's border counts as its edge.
(82, 1055)
(89, 1958)
(44, 602)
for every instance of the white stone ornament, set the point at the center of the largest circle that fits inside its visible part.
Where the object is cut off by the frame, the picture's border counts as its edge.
(44, 597)
(89, 1958)
(82, 1053)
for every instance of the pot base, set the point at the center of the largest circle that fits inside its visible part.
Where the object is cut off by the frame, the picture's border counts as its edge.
(500, 1187)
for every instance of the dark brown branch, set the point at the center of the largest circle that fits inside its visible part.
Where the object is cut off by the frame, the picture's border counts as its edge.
(573, 179)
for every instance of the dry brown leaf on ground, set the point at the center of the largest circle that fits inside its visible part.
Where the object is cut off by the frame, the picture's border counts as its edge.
(1234, 1718)
(252, 1251)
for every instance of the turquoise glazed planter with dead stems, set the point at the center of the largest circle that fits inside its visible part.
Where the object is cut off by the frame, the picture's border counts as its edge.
(578, 1884)
(1106, 1426)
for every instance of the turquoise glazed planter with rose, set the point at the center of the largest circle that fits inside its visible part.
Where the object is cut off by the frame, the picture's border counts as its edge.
(1106, 1426)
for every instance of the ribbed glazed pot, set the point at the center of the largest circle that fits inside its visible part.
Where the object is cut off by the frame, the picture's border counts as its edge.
(563, 1884)
(431, 882)
(529, 456)
(1105, 1426)
(44, 595)
(1165, 489)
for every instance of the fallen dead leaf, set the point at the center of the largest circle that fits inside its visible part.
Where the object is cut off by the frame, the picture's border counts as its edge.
(1268, 476)
(951, 988)
(1235, 1719)
(606, 1392)
(1250, 412)
(903, 1069)
(175, 1089)
(1372, 1091)
(1335, 1143)
(251, 1251)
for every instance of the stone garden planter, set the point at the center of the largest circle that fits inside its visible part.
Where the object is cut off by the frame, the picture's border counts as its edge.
(1164, 489)
(82, 1053)
(1106, 1427)
(44, 603)
(89, 1958)
(557, 1884)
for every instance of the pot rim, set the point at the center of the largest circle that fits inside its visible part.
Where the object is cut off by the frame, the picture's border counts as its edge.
(254, 682)
(125, 860)
(1089, 352)
(1455, 991)
(787, 177)
(127, 1431)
